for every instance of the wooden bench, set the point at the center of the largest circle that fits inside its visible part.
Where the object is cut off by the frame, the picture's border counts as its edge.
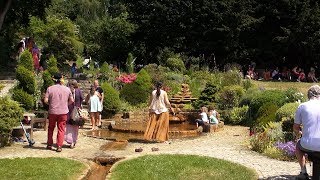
(43, 119)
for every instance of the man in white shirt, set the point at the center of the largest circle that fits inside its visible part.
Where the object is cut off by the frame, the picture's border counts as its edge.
(308, 115)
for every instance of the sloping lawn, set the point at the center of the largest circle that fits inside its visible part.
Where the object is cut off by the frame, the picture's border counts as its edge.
(180, 167)
(301, 86)
(40, 168)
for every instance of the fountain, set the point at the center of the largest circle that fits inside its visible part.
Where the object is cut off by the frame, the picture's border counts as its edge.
(131, 126)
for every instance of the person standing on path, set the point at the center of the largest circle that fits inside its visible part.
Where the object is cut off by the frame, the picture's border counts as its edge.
(158, 124)
(100, 90)
(58, 97)
(307, 116)
(94, 106)
(71, 135)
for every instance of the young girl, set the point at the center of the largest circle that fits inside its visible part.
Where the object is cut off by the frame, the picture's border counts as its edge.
(213, 117)
(94, 106)
(203, 117)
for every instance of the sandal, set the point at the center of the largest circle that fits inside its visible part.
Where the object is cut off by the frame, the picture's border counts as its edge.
(49, 147)
(59, 149)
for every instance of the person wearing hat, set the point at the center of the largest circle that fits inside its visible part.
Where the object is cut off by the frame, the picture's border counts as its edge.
(307, 116)
(58, 97)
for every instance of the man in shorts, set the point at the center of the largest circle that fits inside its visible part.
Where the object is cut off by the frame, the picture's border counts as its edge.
(308, 117)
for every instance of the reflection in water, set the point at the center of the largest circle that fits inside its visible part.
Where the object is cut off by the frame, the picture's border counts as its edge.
(130, 131)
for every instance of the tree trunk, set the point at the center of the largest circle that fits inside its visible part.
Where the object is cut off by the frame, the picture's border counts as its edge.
(3, 11)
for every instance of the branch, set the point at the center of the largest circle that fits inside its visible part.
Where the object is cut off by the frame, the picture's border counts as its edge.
(3, 11)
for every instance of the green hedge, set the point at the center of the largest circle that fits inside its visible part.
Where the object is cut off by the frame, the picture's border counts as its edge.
(139, 91)
(10, 115)
(266, 114)
(238, 115)
(26, 100)
(286, 112)
(26, 61)
(26, 79)
(229, 96)
(111, 100)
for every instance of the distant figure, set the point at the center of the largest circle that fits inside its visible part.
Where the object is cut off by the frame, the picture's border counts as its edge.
(73, 69)
(266, 74)
(100, 91)
(58, 97)
(158, 123)
(312, 76)
(307, 117)
(295, 73)
(302, 76)
(213, 117)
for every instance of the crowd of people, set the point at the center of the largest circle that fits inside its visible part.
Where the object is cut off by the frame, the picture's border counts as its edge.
(29, 44)
(295, 74)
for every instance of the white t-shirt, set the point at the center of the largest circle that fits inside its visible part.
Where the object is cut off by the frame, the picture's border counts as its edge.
(204, 117)
(308, 114)
(158, 104)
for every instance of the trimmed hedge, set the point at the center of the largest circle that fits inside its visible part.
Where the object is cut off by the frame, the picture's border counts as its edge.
(266, 114)
(207, 96)
(26, 61)
(229, 96)
(139, 91)
(286, 112)
(26, 100)
(26, 79)
(111, 100)
(10, 115)
(238, 115)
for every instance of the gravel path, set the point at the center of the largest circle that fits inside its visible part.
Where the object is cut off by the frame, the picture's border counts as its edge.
(229, 144)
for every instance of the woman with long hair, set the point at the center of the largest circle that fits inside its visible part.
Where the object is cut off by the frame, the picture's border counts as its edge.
(158, 124)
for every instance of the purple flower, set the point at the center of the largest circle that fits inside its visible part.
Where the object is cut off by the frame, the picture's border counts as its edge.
(288, 147)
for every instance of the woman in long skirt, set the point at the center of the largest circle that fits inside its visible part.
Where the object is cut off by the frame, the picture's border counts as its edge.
(158, 124)
(71, 134)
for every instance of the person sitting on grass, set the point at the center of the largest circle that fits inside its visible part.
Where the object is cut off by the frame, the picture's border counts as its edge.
(203, 117)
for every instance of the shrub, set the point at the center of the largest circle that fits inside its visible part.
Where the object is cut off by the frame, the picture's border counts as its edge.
(230, 78)
(229, 96)
(286, 112)
(26, 61)
(247, 84)
(10, 115)
(26, 79)
(157, 73)
(207, 95)
(175, 64)
(26, 100)
(111, 100)
(47, 80)
(248, 96)
(238, 115)
(130, 63)
(287, 148)
(53, 65)
(275, 97)
(137, 92)
(266, 114)
(293, 95)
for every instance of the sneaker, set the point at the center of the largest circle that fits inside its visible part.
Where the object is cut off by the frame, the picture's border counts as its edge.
(303, 176)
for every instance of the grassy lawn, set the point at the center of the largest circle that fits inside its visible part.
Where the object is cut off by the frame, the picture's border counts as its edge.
(40, 168)
(301, 86)
(180, 167)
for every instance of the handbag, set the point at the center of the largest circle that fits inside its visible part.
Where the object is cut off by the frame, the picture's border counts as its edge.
(76, 118)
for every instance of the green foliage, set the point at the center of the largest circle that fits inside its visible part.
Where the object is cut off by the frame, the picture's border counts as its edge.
(230, 78)
(248, 96)
(26, 100)
(130, 63)
(26, 79)
(111, 100)
(26, 61)
(157, 73)
(176, 64)
(276, 97)
(266, 114)
(207, 96)
(229, 96)
(271, 133)
(238, 115)
(52, 65)
(247, 84)
(137, 92)
(59, 35)
(286, 112)
(47, 80)
(10, 115)
(293, 95)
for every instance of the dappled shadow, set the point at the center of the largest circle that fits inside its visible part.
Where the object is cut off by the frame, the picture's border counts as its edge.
(280, 177)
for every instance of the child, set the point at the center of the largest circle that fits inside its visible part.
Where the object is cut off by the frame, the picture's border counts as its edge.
(203, 117)
(213, 117)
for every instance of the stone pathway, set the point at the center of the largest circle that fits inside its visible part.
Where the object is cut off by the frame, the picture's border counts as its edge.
(8, 84)
(229, 144)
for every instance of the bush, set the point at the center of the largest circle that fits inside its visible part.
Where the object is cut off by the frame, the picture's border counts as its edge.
(248, 96)
(137, 92)
(53, 65)
(26, 100)
(286, 112)
(238, 115)
(157, 73)
(26, 61)
(175, 64)
(207, 96)
(275, 97)
(111, 100)
(26, 79)
(266, 114)
(10, 115)
(229, 96)
(47, 80)
(247, 84)
(230, 78)
(293, 95)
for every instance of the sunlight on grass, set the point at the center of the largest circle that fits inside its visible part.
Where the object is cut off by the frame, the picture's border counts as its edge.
(40, 168)
(184, 167)
(301, 86)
